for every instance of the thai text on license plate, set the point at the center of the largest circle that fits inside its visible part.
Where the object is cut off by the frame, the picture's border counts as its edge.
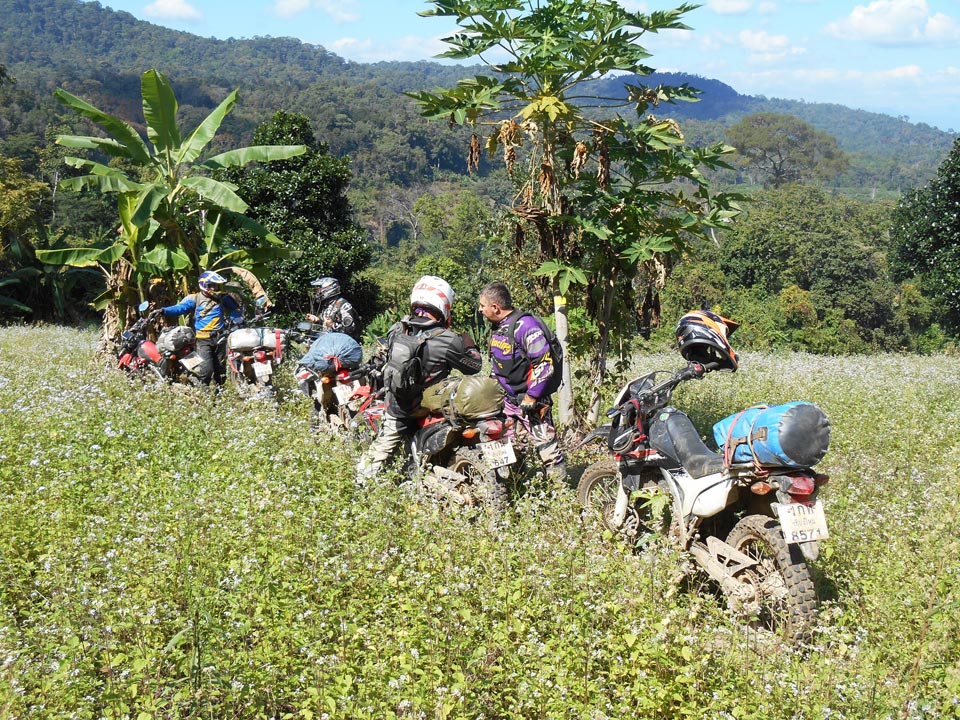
(262, 369)
(343, 392)
(802, 523)
(498, 453)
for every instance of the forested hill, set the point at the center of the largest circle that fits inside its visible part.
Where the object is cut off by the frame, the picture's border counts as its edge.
(99, 54)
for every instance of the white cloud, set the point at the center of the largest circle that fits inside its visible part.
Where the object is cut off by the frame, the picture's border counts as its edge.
(290, 8)
(730, 7)
(172, 10)
(340, 11)
(761, 41)
(896, 22)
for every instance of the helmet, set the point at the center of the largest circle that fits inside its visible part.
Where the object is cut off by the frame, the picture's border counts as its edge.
(209, 280)
(327, 288)
(702, 338)
(435, 294)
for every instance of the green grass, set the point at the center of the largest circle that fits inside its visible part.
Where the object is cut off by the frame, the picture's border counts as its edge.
(167, 554)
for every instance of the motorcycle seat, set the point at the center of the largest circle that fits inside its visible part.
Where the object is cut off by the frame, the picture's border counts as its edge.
(673, 434)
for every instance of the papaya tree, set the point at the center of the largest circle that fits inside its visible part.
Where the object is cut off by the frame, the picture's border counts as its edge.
(174, 217)
(610, 201)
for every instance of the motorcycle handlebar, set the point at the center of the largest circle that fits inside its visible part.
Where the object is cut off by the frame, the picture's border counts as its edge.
(693, 371)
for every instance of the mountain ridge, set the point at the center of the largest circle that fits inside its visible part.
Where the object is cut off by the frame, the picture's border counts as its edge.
(99, 54)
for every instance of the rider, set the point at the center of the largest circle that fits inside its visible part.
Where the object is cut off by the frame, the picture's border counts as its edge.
(442, 351)
(524, 366)
(212, 308)
(336, 312)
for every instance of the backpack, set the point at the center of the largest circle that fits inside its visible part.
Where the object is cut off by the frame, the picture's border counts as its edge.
(403, 374)
(556, 349)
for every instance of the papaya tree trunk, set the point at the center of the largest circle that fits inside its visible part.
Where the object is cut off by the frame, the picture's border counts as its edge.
(599, 363)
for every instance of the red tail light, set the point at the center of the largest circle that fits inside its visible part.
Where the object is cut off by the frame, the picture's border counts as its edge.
(492, 429)
(343, 376)
(800, 486)
(260, 356)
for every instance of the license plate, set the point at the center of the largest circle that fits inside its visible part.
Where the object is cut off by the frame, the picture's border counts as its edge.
(802, 523)
(343, 393)
(498, 453)
(262, 370)
(191, 362)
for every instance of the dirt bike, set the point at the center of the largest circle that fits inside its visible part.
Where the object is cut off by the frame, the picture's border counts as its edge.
(750, 528)
(340, 394)
(253, 354)
(172, 358)
(460, 460)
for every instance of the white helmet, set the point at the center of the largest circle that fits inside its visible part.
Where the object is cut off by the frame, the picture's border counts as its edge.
(435, 294)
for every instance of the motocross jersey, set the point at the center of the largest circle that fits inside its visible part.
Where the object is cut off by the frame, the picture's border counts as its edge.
(344, 318)
(522, 363)
(210, 312)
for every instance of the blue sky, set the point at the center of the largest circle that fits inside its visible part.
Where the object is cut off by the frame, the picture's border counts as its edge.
(898, 57)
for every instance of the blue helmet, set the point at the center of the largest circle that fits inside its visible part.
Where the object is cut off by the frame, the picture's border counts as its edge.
(211, 281)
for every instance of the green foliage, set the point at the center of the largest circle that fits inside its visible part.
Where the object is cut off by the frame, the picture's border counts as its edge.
(303, 201)
(805, 270)
(926, 228)
(607, 201)
(785, 149)
(172, 554)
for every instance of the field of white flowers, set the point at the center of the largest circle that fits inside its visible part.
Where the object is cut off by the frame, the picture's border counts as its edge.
(169, 554)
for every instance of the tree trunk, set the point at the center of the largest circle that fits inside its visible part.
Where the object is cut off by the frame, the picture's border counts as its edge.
(117, 314)
(599, 363)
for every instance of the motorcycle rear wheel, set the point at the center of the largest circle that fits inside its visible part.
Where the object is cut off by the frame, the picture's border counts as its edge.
(484, 486)
(785, 596)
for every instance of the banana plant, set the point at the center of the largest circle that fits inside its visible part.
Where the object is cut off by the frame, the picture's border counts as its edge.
(174, 217)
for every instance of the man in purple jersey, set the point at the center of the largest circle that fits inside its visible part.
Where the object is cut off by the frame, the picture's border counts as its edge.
(522, 362)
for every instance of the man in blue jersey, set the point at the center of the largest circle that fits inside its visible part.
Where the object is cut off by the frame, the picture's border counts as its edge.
(211, 308)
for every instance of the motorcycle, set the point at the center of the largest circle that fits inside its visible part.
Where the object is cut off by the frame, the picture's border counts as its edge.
(172, 358)
(253, 354)
(461, 452)
(339, 394)
(751, 528)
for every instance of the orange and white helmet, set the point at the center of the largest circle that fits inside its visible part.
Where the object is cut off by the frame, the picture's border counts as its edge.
(435, 295)
(702, 337)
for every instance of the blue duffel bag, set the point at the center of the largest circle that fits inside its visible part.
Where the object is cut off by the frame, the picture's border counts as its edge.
(796, 434)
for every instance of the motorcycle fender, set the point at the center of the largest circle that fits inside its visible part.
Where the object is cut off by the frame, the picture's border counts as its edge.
(810, 550)
(148, 350)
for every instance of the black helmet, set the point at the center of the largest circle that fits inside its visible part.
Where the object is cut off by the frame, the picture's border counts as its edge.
(702, 338)
(327, 288)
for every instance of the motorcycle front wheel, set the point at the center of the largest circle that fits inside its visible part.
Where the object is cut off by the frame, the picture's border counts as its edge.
(784, 599)
(597, 494)
(482, 483)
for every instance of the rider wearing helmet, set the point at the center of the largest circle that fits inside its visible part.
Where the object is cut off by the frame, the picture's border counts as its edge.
(702, 337)
(211, 308)
(335, 313)
(441, 351)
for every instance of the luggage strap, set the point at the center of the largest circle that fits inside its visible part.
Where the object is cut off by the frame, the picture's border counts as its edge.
(731, 442)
